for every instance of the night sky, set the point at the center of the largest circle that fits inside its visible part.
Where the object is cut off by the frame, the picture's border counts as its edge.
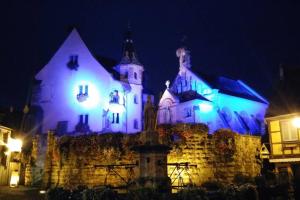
(241, 39)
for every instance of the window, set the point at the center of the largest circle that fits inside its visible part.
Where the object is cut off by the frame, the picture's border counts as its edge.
(187, 112)
(288, 131)
(135, 99)
(83, 119)
(115, 118)
(80, 119)
(82, 125)
(73, 62)
(135, 75)
(135, 124)
(114, 96)
(86, 119)
(82, 94)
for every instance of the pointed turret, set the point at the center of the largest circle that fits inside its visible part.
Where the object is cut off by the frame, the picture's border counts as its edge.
(129, 54)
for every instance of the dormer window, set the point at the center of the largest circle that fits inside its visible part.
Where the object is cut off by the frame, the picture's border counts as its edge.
(73, 62)
(83, 93)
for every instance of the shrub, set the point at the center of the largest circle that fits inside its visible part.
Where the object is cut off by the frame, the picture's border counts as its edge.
(247, 191)
(212, 185)
(241, 179)
(191, 193)
(58, 193)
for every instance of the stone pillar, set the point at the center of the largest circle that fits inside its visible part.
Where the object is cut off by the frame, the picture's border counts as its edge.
(153, 171)
(48, 160)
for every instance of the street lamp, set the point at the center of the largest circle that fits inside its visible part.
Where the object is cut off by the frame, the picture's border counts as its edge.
(296, 122)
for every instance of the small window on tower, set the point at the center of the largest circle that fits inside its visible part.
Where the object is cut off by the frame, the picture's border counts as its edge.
(118, 119)
(135, 99)
(135, 75)
(135, 124)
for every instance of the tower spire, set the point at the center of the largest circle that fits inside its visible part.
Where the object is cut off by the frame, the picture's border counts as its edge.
(129, 54)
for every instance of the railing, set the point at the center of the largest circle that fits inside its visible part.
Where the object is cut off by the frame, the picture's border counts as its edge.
(292, 146)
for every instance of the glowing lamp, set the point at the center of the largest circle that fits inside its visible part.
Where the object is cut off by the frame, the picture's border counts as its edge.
(205, 107)
(296, 122)
(14, 145)
(14, 179)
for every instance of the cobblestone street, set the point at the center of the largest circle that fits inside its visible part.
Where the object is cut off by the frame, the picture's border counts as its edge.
(20, 193)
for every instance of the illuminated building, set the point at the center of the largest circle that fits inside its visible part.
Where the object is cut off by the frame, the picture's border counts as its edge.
(219, 102)
(284, 138)
(10, 149)
(77, 94)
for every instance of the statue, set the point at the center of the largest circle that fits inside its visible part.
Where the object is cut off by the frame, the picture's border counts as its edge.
(184, 58)
(149, 115)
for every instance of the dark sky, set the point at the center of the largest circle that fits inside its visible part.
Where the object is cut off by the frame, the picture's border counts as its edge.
(241, 39)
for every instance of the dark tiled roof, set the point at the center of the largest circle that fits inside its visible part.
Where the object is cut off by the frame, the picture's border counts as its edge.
(190, 95)
(228, 86)
(109, 64)
(129, 53)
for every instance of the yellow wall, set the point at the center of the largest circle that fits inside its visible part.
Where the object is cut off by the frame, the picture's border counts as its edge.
(279, 147)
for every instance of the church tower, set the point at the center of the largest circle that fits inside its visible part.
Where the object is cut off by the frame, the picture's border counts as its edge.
(130, 69)
(131, 72)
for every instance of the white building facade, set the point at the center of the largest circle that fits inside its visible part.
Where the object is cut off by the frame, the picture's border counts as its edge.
(219, 102)
(77, 94)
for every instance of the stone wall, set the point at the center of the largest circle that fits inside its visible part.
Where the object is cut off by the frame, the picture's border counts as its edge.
(88, 160)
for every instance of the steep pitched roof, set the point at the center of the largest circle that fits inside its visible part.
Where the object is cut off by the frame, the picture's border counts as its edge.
(129, 53)
(230, 86)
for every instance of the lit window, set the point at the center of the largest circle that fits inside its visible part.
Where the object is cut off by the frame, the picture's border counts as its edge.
(82, 95)
(288, 131)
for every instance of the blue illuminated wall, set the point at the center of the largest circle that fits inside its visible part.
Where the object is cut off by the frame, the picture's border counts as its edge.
(81, 96)
(192, 99)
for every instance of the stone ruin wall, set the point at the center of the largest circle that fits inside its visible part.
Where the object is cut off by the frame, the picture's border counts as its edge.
(73, 161)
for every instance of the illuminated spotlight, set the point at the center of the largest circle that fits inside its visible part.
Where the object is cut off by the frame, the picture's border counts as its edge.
(92, 99)
(296, 122)
(14, 145)
(205, 107)
(42, 191)
(14, 179)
